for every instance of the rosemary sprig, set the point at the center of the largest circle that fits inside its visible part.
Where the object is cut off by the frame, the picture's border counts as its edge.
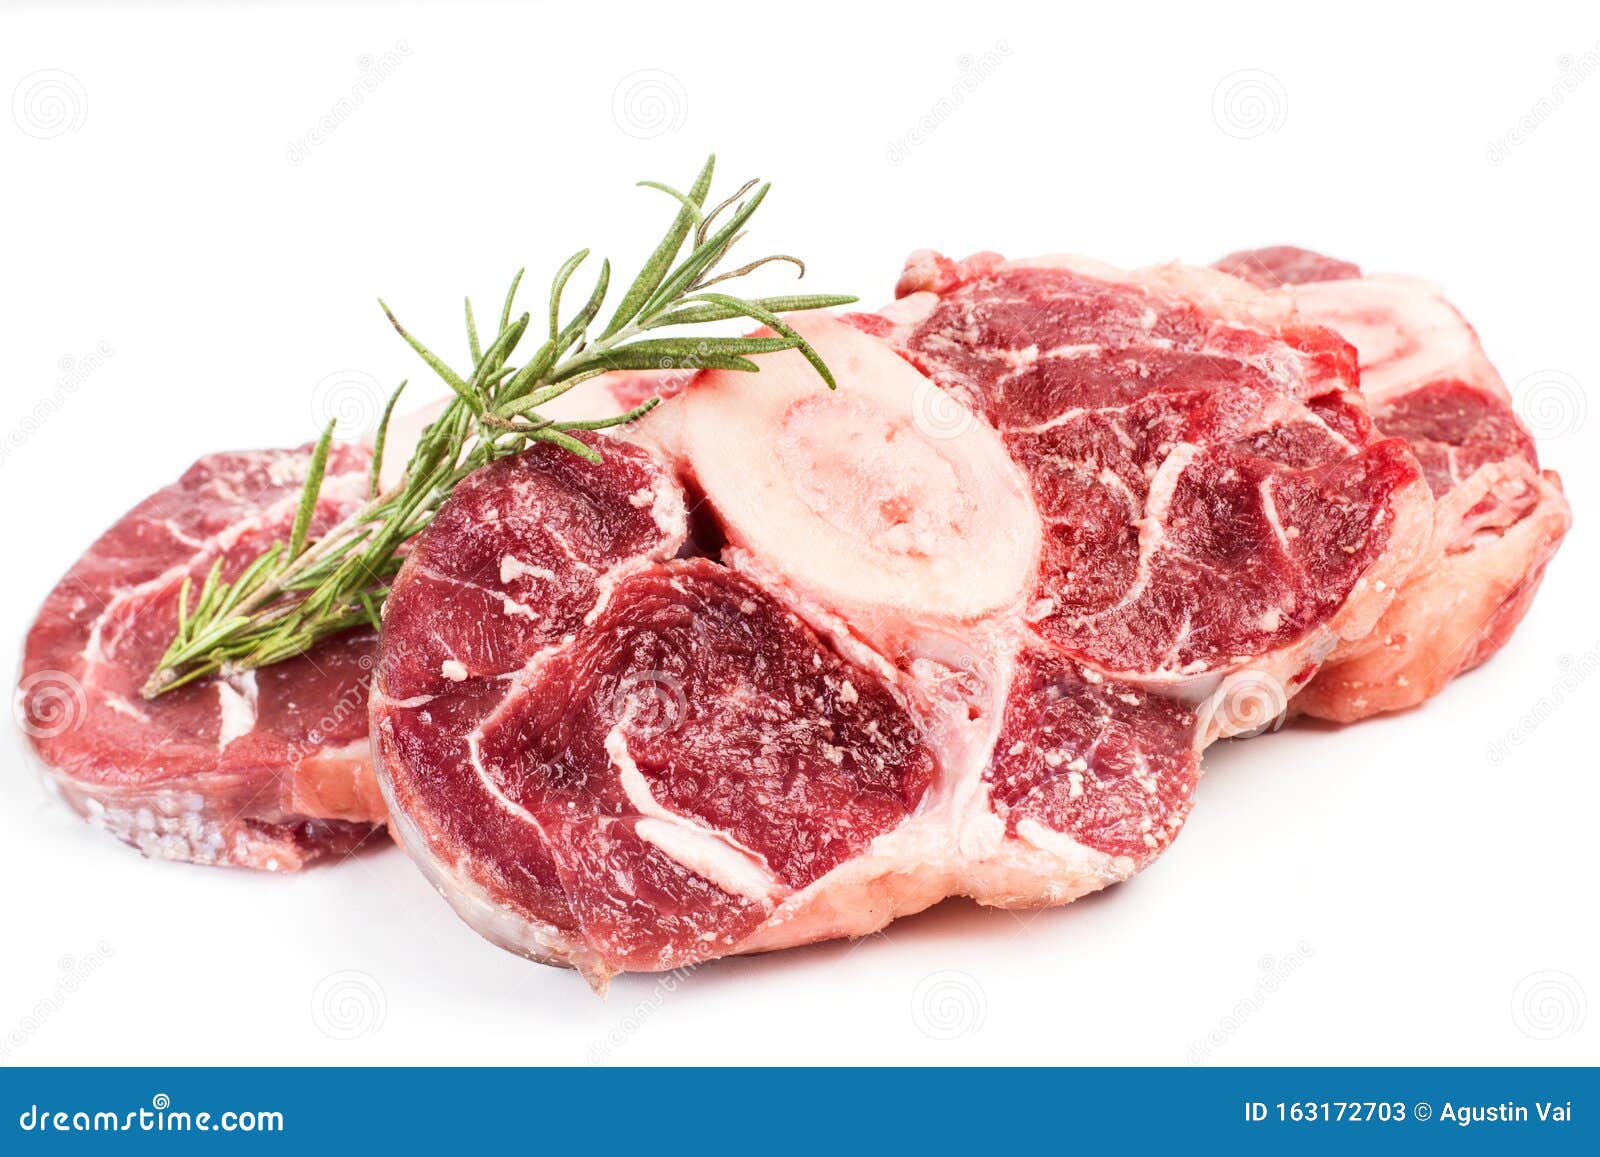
(300, 592)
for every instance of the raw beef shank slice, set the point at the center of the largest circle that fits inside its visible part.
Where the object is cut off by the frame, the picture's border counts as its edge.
(1499, 517)
(1214, 497)
(608, 756)
(266, 769)
(789, 663)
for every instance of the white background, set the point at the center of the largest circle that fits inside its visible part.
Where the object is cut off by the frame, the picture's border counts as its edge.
(1395, 882)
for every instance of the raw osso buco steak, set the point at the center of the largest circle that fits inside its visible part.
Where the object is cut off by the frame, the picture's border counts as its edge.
(266, 769)
(1499, 517)
(790, 663)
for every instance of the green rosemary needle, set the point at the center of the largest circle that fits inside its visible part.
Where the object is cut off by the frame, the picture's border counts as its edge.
(306, 589)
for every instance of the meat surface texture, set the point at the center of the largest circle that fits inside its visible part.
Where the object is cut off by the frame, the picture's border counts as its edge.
(791, 663)
(268, 769)
(1499, 517)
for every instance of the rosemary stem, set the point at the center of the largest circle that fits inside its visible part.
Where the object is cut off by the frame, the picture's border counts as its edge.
(163, 676)
(304, 590)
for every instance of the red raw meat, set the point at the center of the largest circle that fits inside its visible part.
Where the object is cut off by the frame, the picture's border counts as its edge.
(1499, 516)
(268, 769)
(793, 663)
